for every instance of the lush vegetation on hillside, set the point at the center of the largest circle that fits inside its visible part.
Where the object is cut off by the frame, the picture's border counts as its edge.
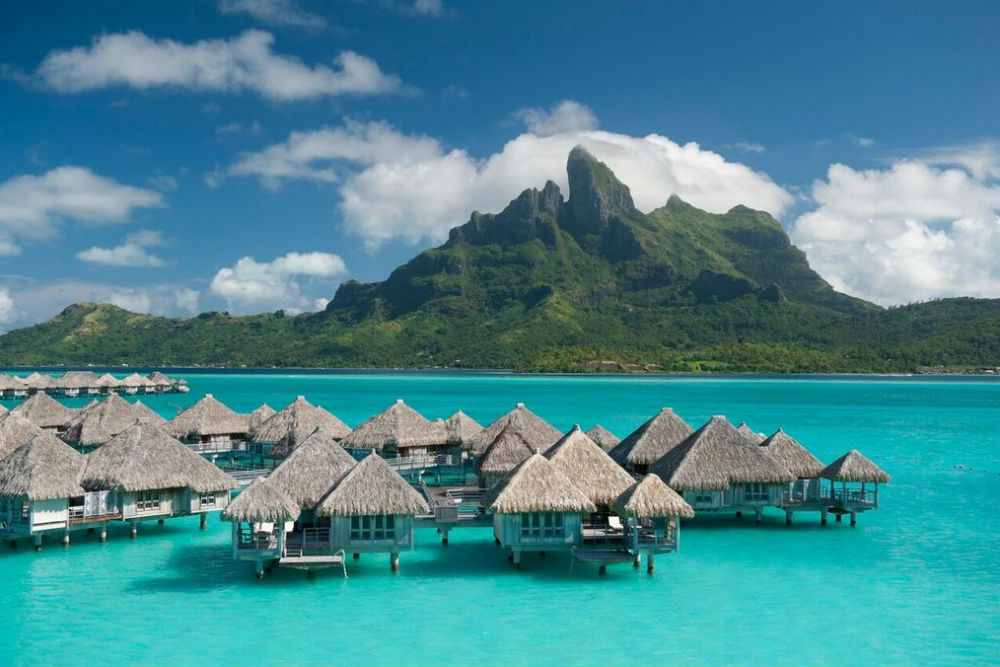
(553, 285)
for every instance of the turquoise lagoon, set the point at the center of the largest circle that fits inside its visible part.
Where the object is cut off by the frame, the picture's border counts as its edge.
(917, 582)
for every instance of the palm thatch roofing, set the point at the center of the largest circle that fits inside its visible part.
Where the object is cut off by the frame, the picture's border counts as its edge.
(854, 467)
(537, 485)
(652, 440)
(159, 379)
(11, 383)
(589, 467)
(787, 451)
(146, 414)
(77, 380)
(259, 416)
(144, 458)
(45, 467)
(651, 498)
(604, 438)
(294, 423)
(538, 432)
(108, 380)
(3, 410)
(312, 469)
(45, 411)
(750, 434)
(460, 428)
(15, 430)
(207, 417)
(39, 381)
(372, 487)
(99, 423)
(398, 426)
(136, 380)
(715, 457)
(506, 451)
(261, 501)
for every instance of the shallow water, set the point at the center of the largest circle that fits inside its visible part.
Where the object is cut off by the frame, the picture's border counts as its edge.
(916, 582)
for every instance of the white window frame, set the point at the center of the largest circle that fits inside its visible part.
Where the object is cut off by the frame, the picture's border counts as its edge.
(147, 501)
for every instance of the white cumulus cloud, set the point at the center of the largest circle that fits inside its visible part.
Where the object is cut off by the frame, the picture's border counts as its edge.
(911, 231)
(274, 12)
(244, 63)
(401, 186)
(130, 253)
(30, 206)
(8, 309)
(250, 285)
(567, 116)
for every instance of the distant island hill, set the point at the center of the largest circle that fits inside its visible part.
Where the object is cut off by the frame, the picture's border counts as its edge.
(584, 283)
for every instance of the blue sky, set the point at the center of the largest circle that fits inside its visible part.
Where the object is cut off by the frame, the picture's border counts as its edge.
(246, 155)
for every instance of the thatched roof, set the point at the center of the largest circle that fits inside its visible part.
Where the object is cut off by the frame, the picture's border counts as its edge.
(44, 467)
(108, 380)
(787, 451)
(506, 451)
(537, 485)
(10, 383)
(15, 430)
(538, 432)
(854, 467)
(159, 379)
(136, 380)
(3, 410)
(312, 469)
(589, 467)
(651, 498)
(39, 381)
(261, 501)
(460, 428)
(294, 423)
(45, 411)
(372, 487)
(98, 424)
(146, 414)
(652, 440)
(259, 416)
(144, 458)
(77, 380)
(398, 426)
(205, 418)
(750, 434)
(604, 438)
(717, 456)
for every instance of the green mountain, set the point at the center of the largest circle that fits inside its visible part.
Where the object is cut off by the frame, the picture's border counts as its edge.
(550, 283)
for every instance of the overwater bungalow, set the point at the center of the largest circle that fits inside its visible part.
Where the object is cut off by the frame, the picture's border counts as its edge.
(75, 383)
(398, 431)
(15, 430)
(716, 468)
(155, 477)
(260, 515)
(371, 510)
(505, 453)
(537, 508)
(258, 416)
(295, 422)
(750, 434)
(209, 425)
(312, 469)
(12, 387)
(161, 383)
(96, 425)
(45, 411)
(138, 384)
(108, 384)
(40, 492)
(858, 479)
(604, 438)
(460, 428)
(804, 492)
(651, 511)
(39, 383)
(147, 415)
(539, 433)
(651, 441)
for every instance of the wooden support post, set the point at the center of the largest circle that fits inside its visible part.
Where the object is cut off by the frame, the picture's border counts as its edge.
(839, 517)
(637, 561)
(510, 556)
(159, 521)
(496, 541)
(542, 554)
(650, 562)
(739, 515)
(135, 529)
(758, 516)
(13, 544)
(854, 518)
(444, 536)
(310, 574)
(203, 521)
(788, 518)
(103, 536)
(603, 569)
(394, 561)
(356, 555)
(65, 539)
(90, 530)
(822, 517)
(38, 542)
(517, 558)
(258, 567)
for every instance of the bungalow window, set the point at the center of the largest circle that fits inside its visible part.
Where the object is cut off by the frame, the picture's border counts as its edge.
(207, 500)
(147, 501)
(703, 499)
(378, 527)
(542, 525)
(756, 492)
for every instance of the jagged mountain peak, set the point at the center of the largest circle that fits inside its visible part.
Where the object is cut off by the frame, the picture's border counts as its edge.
(595, 193)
